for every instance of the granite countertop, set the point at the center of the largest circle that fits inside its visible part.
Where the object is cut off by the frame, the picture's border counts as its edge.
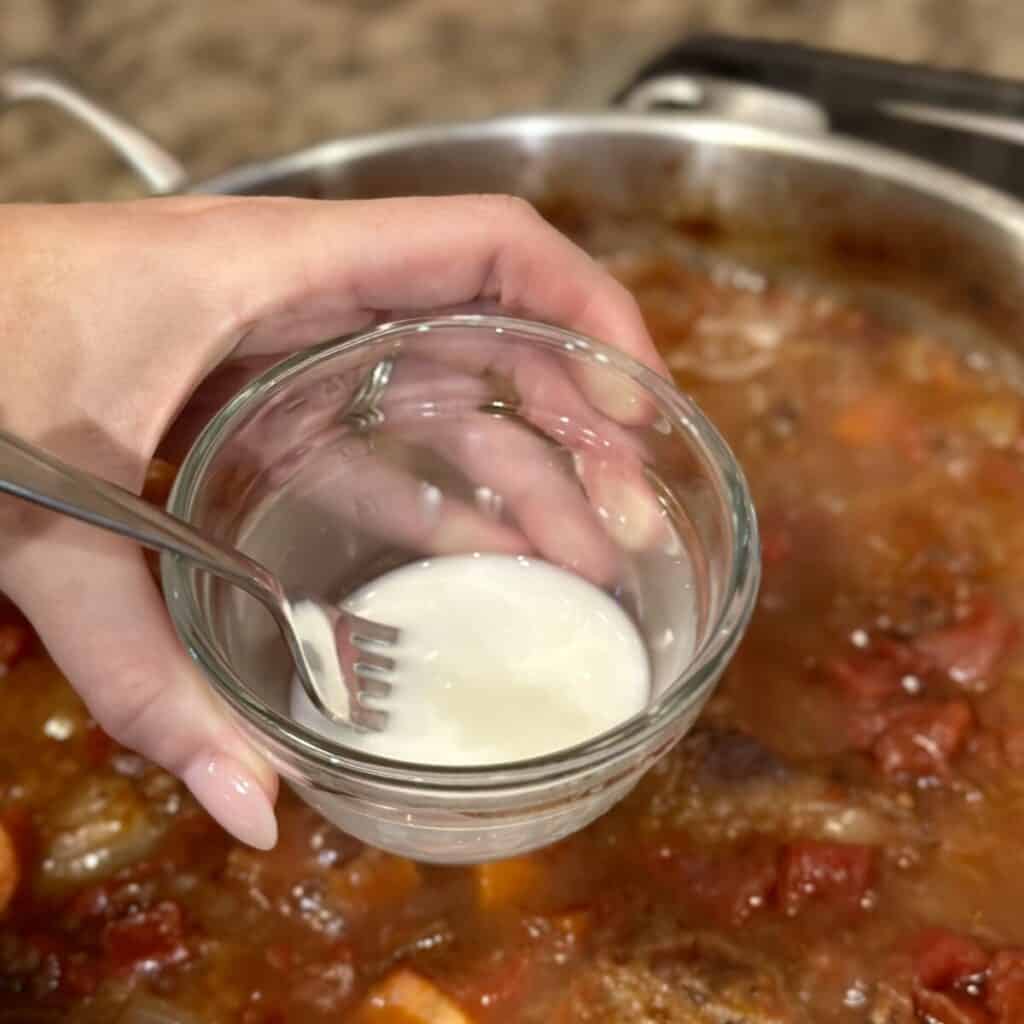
(219, 83)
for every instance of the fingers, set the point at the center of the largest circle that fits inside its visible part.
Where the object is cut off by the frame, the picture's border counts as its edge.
(396, 483)
(623, 499)
(219, 387)
(302, 270)
(545, 392)
(378, 497)
(608, 457)
(533, 484)
(580, 515)
(97, 610)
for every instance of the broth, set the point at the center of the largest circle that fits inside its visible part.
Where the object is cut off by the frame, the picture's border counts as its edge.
(838, 840)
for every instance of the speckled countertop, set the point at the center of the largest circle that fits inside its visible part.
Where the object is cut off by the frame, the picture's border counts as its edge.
(220, 82)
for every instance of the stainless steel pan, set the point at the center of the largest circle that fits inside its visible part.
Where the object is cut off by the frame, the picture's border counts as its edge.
(751, 169)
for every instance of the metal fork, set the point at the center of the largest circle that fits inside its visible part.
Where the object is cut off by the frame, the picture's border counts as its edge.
(362, 648)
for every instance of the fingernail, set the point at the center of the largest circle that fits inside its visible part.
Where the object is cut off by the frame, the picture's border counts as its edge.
(617, 397)
(459, 532)
(232, 796)
(630, 513)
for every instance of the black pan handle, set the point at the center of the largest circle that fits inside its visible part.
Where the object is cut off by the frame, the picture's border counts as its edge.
(969, 122)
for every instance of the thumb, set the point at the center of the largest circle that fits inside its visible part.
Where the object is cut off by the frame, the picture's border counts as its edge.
(96, 607)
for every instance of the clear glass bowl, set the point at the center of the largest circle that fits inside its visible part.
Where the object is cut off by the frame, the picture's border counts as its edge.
(450, 435)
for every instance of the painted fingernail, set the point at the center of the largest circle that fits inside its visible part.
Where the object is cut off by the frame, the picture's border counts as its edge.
(232, 796)
(630, 513)
(460, 532)
(617, 397)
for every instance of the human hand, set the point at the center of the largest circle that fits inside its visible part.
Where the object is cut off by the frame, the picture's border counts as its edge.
(115, 314)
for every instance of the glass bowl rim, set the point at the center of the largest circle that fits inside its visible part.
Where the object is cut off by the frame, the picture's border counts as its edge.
(691, 687)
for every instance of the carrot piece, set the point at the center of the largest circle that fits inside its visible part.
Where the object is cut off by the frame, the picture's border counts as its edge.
(508, 884)
(405, 997)
(872, 420)
(10, 871)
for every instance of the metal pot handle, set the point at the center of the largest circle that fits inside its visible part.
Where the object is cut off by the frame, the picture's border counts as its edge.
(728, 99)
(964, 121)
(162, 173)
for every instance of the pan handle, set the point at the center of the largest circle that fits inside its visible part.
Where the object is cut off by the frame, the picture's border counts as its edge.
(721, 97)
(964, 121)
(160, 171)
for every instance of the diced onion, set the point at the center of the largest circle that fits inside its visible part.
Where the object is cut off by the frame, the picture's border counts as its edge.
(726, 348)
(733, 369)
(99, 826)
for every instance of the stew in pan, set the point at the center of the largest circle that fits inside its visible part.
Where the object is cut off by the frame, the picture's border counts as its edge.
(840, 840)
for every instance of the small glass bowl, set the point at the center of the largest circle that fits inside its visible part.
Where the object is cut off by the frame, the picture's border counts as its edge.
(450, 435)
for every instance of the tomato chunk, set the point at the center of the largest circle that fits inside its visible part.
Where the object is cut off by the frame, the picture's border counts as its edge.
(815, 870)
(943, 958)
(728, 884)
(1006, 986)
(921, 738)
(146, 940)
(871, 676)
(968, 651)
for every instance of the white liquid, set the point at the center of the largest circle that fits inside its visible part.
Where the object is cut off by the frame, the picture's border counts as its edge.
(502, 658)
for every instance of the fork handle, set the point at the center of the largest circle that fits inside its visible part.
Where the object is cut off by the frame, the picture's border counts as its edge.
(29, 473)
